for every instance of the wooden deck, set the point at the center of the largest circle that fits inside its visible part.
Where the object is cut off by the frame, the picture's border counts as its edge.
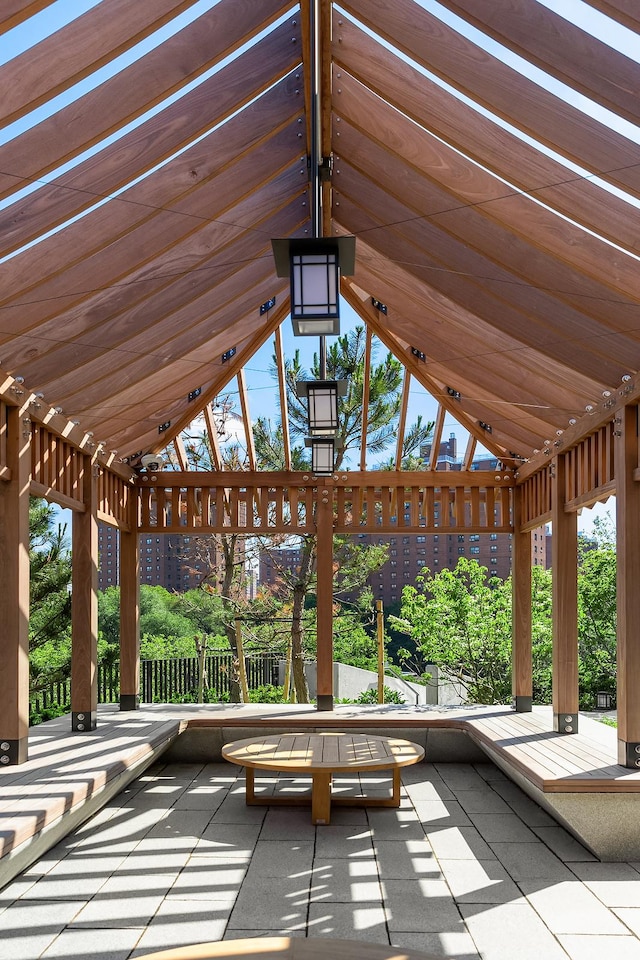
(68, 777)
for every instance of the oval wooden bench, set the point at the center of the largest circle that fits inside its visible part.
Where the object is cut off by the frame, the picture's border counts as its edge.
(289, 948)
(321, 755)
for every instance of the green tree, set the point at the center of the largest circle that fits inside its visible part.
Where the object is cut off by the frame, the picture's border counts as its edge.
(49, 598)
(597, 625)
(461, 620)
(345, 361)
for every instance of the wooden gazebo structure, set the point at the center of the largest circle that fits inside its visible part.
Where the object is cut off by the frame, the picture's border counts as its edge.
(485, 160)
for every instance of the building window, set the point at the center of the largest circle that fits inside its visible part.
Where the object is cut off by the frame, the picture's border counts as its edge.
(461, 538)
(494, 548)
(461, 551)
(493, 536)
(423, 539)
(474, 550)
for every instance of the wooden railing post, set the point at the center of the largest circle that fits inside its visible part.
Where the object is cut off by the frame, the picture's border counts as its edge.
(84, 604)
(129, 619)
(14, 588)
(564, 563)
(628, 585)
(521, 664)
(324, 594)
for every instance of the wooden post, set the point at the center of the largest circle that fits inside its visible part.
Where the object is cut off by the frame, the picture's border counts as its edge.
(521, 663)
(628, 585)
(84, 606)
(129, 619)
(324, 594)
(242, 668)
(14, 590)
(564, 564)
(380, 633)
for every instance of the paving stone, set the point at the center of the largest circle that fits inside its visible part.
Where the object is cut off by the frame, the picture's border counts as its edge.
(74, 943)
(428, 790)
(343, 841)
(234, 809)
(441, 813)
(457, 946)
(280, 904)
(483, 801)
(460, 777)
(209, 878)
(118, 910)
(490, 773)
(569, 907)
(281, 858)
(29, 928)
(205, 796)
(615, 884)
(530, 861)
(563, 844)
(508, 931)
(425, 905)
(406, 860)
(595, 948)
(361, 921)
(178, 922)
(345, 881)
(506, 827)
(228, 839)
(479, 881)
(288, 823)
(401, 825)
(630, 916)
(459, 843)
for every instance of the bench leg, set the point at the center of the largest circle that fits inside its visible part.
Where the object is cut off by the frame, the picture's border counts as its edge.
(321, 797)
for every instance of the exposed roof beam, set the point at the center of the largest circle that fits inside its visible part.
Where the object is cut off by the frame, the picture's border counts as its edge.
(282, 392)
(366, 386)
(402, 420)
(246, 419)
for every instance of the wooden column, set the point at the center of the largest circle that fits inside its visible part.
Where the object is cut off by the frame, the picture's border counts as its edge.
(564, 568)
(324, 594)
(628, 585)
(129, 619)
(14, 590)
(521, 663)
(84, 606)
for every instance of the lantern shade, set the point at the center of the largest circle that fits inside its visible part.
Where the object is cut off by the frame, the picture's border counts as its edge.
(322, 399)
(313, 267)
(322, 455)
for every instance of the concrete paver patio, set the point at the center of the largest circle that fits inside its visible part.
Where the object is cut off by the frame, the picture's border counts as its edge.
(468, 867)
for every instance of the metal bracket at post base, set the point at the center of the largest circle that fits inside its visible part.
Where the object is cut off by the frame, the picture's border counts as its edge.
(523, 704)
(13, 752)
(565, 722)
(129, 701)
(324, 701)
(82, 722)
(629, 754)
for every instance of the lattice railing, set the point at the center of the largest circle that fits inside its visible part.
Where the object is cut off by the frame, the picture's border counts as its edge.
(283, 503)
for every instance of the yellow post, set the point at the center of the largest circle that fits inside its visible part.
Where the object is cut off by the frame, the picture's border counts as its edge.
(380, 626)
(242, 670)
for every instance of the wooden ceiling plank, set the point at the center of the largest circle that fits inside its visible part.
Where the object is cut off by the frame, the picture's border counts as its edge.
(145, 263)
(511, 380)
(590, 349)
(102, 112)
(559, 48)
(246, 419)
(402, 420)
(129, 435)
(366, 386)
(282, 393)
(482, 140)
(624, 11)
(107, 171)
(450, 189)
(512, 266)
(501, 89)
(168, 323)
(15, 12)
(79, 48)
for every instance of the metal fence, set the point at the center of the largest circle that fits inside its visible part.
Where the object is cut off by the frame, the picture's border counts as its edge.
(161, 680)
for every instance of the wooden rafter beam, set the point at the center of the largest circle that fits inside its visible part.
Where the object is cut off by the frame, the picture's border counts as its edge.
(469, 452)
(437, 437)
(246, 419)
(402, 422)
(365, 399)
(181, 453)
(214, 442)
(282, 392)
